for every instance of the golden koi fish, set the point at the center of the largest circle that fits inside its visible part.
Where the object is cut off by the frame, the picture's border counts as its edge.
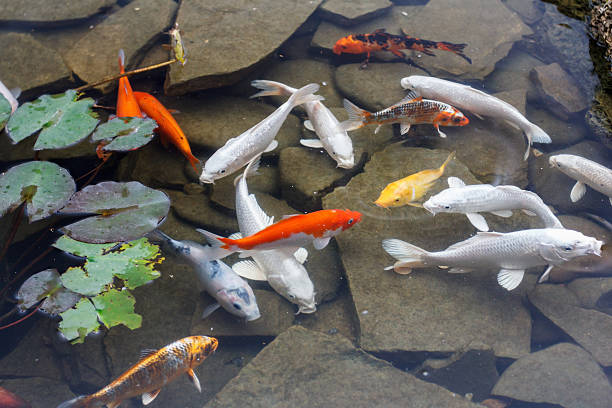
(156, 369)
(405, 191)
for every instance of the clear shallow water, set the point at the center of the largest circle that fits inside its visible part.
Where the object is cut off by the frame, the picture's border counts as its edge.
(352, 302)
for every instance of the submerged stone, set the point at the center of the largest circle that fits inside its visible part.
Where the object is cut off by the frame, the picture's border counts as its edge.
(351, 12)
(558, 90)
(63, 12)
(225, 42)
(317, 365)
(563, 374)
(201, 212)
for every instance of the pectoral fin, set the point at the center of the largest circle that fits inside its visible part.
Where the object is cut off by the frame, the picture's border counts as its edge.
(301, 255)
(148, 397)
(478, 221)
(455, 182)
(377, 129)
(510, 278)
(194, 380)
(404, 127)
(308, 125)
(441, 133)
(502, 213)
(320, 243)
(545, 275)
(210, 310)
(249, 270)
(577, 191)
(271, 146)
(312, 143)
(529, 213)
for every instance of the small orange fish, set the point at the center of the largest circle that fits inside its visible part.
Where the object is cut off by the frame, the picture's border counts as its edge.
(151, 373)
(380, 40)
(169, 129)
(127, 107)
(405, 191)
(412, 110)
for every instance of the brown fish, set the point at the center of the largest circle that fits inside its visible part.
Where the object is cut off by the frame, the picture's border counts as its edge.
(156, 369)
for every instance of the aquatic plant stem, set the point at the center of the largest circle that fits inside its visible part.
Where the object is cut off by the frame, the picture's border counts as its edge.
(24, 270)
(23, 318)
(13, 231)
(136, 71)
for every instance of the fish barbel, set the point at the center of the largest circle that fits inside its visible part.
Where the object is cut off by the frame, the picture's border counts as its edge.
(156, 369)
(510, 253)
(586, 173)
(498, 200)
(478, 102)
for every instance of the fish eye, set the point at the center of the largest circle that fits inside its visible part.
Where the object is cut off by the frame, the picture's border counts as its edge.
(349, 222)
(222, 171)
(447, 207)
(397, 200)
(567, 248)
(291, 296)
(237, 306)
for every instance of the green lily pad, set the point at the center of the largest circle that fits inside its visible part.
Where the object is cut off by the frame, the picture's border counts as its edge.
(79, 322)
(127, 211)
(64, 120)
(133, 262)
(45, 186)
(5, 111)
(117, 307)
(128, 133)
(46, 284)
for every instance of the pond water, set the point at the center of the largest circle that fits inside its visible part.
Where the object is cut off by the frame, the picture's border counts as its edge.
(425, 339)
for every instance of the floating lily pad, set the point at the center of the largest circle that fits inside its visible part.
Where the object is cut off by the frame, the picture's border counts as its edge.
(64, 120)
(126, 211)
(79, 322)
(46, 284)
(45, 186)
(128, 133)
(133, 262)
(117, 307)
(5, 111)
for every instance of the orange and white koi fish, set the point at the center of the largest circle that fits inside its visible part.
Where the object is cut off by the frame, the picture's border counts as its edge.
(380, 40)
(169, 129)
(127, 106)
(156, 369)
(292, 232)
(412, 110)
(405, 191)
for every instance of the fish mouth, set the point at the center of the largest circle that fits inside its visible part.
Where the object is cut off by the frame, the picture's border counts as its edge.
(306, 309)
(381, 205)
(596, 249)
(253, 316)
(429, 208)
(205, 178)
(346, 164)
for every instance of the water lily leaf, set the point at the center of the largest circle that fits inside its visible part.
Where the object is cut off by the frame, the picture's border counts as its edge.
(79, 322)
(5, 111)
(126, 211)
(117, 307)
(133, 262)
(46, 284)
(128, 133)
(64, 120)
(45, 186)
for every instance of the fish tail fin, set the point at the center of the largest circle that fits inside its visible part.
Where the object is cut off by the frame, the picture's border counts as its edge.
(305, 94)
(219, 247)
(194, 161)
(269, 88)
(121, 61)
(408, 256)
(450, 157)
(78, 402)
(357, 116)
(454, 48)
(534, 133)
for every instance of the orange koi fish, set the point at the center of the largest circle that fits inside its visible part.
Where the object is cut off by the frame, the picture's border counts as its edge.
(169, 129)
(127, 107)
(293, 231)
(156, 369)
(380, 40)
(412, 110)
(411, 188)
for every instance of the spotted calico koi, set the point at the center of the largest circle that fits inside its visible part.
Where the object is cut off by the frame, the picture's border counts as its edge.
(380, 40)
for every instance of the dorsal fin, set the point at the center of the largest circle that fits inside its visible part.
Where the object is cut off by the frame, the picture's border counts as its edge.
(147, 352)
(412, 96)
(379, 31)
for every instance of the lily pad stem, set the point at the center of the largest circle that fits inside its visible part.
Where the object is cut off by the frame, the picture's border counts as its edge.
(23, 318)
(136, 71)
(13, 231)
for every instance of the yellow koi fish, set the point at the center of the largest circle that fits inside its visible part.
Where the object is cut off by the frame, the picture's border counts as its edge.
(405, 191)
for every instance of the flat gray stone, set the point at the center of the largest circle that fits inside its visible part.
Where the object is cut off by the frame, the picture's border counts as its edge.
(201, 212)
(528, 10)
(63, 12)
(589, 328)
(180, 230)
(563, 374)
(94, 56)
(334, 317)
(558, 90)
(594, 293)
(494, 28)
(317, 365)
(225, 43)
(459, 309)
(512, 72)
(350, 12)
(554, 187)
(40, 69)
(266, 181)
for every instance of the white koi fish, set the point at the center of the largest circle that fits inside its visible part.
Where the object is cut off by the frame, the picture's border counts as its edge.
(231, 291)
(238, 151)
(334, 140)
(498, 200)
(11, 96)
(478, 102)
(586, 173)
(511, 253)
(282, 269)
